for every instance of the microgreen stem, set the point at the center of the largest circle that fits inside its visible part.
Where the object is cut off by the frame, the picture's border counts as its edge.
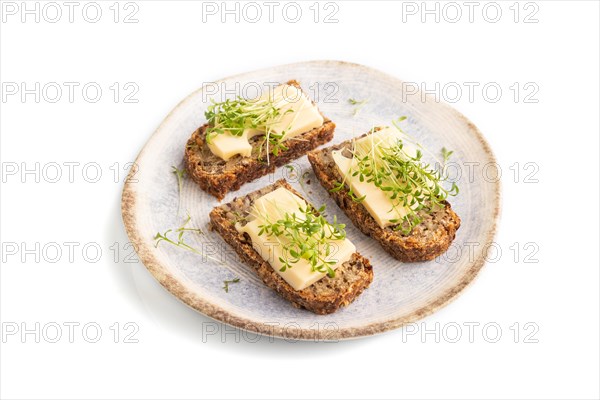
(304, 235)
(180, 240)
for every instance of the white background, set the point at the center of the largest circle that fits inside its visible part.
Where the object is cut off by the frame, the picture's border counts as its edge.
(171, 52)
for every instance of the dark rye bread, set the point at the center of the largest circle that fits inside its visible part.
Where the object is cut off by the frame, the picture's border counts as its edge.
(324, 296)
(218, 177)
(426, 241)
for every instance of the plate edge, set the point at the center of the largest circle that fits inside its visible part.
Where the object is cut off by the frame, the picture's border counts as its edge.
(189, 298)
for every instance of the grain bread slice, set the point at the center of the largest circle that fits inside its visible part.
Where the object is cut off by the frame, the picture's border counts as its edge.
(324, 296)
(218, 177)
(426, 241)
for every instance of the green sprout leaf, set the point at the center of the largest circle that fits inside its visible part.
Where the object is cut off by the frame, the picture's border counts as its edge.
(358, 103)
(179, 241)
(227, 283)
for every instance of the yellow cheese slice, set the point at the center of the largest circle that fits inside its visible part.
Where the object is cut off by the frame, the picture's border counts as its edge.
(272, 207)
(226, 145)
(303, 117)
(376, 201)
(297, 115)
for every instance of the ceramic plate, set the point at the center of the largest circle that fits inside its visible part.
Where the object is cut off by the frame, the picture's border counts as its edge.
(400, 293)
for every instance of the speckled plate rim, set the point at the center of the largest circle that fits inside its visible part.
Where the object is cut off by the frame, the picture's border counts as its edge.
(187, 295)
